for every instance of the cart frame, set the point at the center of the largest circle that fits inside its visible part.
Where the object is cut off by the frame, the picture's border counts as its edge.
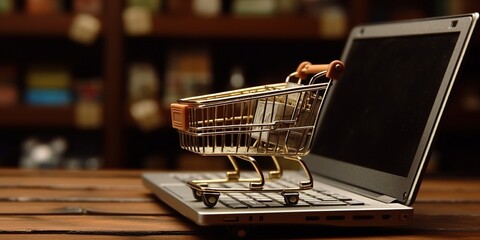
(275, 120)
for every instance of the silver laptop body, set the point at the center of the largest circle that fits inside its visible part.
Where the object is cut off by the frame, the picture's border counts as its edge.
(374, 135)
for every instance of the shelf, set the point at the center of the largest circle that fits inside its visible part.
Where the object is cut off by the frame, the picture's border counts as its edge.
(38, 25)
(30, 116)
(56, 25)
(282, 27)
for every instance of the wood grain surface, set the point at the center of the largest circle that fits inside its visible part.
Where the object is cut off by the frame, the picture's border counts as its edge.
(115, 205)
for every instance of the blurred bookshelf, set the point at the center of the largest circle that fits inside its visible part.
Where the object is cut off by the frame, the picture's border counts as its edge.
(134, 57)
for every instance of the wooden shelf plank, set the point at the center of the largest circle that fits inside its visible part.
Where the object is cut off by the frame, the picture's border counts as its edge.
(36, 25)
(283, 27)
(56, 25)
(32, 116)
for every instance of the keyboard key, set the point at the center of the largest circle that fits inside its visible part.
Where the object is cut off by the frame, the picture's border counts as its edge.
(275, 196)
(237, 205)
(228, 202)
(256, 196)
(254, 204)
(341, 197)
(274, 185)
(327, 198)
(328, 193)
(264, 199)
(225, 197)
(307, 199)
(274, 204)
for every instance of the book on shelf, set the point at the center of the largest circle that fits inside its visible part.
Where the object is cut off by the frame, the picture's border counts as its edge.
(48, 85)
(143, 94)
(176, 7)
(42, 7)
(277, 7)
(88, 90)
(188, 73)
(7, 6)
(88, 103)
(151, 5)
(94, 7)
(47, 97)
(258, 7)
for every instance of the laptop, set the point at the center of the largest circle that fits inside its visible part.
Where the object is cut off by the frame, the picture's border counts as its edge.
(373, 136)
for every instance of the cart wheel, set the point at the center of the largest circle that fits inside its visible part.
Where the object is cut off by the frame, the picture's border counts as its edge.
(291, 198)
(210, 199)
(197, 194)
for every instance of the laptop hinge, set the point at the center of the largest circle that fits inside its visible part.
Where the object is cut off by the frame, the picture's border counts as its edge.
(386, 199)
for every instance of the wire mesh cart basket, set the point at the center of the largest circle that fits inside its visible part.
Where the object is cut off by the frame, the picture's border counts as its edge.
(275, 120)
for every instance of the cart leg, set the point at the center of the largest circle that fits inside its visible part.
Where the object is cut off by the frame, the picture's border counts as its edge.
(235, 174)
(309, 183)
(261, 180)
(304, 185)
(277, 173)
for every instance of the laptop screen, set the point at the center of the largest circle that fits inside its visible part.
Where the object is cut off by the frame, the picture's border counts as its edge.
(382, 127)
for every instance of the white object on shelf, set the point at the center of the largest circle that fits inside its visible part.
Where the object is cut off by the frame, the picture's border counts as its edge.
(85, 29)
(207, 7)
(137, 21)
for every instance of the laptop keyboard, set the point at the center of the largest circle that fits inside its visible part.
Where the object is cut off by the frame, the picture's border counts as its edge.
(308, 198)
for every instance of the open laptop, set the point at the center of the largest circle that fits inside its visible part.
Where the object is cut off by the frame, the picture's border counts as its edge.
(373, 137)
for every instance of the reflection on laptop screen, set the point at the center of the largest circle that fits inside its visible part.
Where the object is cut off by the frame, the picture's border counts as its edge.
(374, 130)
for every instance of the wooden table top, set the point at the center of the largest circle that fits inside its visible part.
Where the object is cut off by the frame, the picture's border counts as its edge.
(115, 205)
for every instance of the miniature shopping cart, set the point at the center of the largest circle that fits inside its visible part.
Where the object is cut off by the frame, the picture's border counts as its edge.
(275, 120)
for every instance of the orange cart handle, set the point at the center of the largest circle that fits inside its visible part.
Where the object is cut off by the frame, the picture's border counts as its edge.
(334, 69)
